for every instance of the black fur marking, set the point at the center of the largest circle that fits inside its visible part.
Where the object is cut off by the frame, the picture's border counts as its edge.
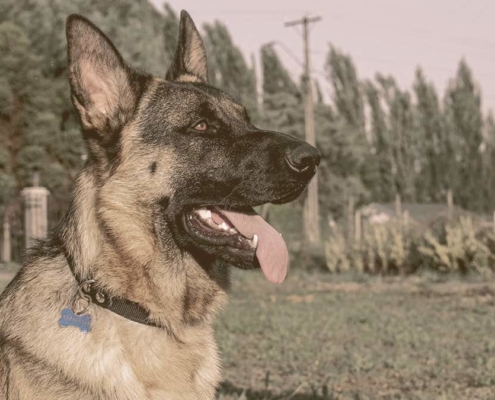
(139, 82)
(153, 168)
(112, 147)
(164, 202)
(52, 247)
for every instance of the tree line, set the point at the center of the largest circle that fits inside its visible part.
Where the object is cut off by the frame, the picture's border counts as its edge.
(377, 139)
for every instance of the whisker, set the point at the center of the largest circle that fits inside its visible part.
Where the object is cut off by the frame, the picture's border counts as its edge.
(232, 191)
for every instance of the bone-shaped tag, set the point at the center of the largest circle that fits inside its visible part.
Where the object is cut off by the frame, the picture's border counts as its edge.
(68, 318)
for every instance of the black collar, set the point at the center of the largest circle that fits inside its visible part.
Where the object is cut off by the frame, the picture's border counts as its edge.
(118, 305)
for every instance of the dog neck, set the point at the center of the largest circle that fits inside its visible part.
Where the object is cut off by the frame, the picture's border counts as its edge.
(127, 259)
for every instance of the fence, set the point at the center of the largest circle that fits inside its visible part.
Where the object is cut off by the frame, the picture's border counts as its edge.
(405, 215)
(28, 216)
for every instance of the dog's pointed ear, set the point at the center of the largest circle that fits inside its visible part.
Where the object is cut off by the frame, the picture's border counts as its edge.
(190, 56)
(100, 81)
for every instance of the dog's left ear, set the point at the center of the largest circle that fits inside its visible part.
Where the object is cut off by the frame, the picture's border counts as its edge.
(190, 56)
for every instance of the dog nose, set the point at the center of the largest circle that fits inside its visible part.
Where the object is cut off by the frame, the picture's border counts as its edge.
(303, 158)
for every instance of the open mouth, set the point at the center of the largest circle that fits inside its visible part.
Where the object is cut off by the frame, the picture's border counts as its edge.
(241, 237)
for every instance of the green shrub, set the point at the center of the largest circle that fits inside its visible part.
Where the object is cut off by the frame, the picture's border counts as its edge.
(462, 248)
(383, 249)
(337, 253)
(462, 245)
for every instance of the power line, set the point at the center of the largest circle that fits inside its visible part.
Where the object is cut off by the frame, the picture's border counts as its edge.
(290, 53)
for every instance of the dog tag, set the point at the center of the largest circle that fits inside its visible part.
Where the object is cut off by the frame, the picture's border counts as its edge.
(68, 318)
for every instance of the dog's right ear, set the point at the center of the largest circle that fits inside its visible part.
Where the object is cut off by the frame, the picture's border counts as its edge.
(190, 57)
(100, 81)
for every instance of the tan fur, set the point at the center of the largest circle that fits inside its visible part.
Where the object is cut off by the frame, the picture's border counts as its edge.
(188, 78)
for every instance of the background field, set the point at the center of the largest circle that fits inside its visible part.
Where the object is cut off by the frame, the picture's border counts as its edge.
(328, 337)
(321, 336)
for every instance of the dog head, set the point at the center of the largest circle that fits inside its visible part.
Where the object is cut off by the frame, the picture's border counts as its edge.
(178, 162)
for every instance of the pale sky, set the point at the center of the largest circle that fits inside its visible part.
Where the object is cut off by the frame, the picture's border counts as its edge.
(388, 36)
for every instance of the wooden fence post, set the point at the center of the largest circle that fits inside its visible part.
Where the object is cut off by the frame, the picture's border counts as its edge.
(350, 220)
(405, 220)
(398, 211)
(450, 204)
(398, 206)
(6, 249)
(357, 227)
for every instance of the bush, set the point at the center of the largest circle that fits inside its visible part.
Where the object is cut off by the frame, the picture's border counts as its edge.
(462, 247)
(383, 249)
(457, 246)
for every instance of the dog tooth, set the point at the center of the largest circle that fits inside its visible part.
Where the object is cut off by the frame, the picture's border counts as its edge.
(254, 242)
(233, 231)
(204, 213)
(224, 226)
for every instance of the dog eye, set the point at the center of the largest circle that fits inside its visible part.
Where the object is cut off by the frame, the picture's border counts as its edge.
(201, 126)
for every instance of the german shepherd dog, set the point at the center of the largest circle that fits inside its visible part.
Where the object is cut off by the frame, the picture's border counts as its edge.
(118, 303)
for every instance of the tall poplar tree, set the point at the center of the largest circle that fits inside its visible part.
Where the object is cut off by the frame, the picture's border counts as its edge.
(464, 138)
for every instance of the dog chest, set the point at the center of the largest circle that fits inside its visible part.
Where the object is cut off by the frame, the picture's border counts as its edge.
(164, 368)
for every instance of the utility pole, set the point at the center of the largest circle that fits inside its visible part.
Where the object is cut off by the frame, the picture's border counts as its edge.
(311, 213)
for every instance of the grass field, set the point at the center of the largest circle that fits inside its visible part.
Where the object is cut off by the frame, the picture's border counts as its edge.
(329, 337)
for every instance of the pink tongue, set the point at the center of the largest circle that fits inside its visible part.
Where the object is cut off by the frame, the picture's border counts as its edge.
(271, 251)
